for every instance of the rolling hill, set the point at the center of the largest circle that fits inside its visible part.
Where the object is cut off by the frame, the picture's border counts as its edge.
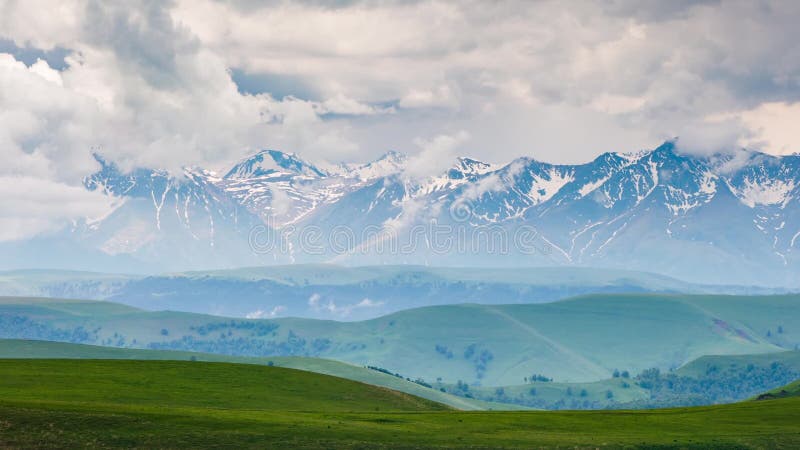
(706, 380)
(27, 349)
(189, 384)
(790, 390)
(171, 404)
(714, 363)
(576, 340)
(325, 291)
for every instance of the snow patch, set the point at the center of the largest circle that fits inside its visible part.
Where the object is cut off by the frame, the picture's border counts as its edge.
(769, 192)
(590, 187)
(545, 187)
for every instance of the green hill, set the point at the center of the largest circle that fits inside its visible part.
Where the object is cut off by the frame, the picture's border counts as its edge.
(182, 404)
(715, 363)
(707, 380)
(187, 384)
(28, 349)
(790, 390)
(577, 340)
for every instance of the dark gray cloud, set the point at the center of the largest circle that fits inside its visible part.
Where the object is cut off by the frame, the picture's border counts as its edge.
(143, 36)
(655, 10)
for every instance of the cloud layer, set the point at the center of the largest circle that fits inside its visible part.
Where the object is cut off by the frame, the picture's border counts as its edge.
(204, 82)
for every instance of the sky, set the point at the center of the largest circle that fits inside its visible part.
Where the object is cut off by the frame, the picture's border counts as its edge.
(202, 82)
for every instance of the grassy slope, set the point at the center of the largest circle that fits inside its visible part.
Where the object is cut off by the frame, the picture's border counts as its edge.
(577, 340)
(194, 385)
(151, 404)
(700, 366)
(627, 390)
(623, 391)
(790, 390)
(28, 349)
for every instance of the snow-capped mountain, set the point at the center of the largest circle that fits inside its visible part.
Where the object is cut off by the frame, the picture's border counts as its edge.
(729, 218)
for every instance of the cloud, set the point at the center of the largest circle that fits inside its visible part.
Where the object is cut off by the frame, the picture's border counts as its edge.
(439, 97)
(436, 155)
(774, 127)
(491, 183)
(318, 304)
(31, 205)
(711, 135)
(313, 300)
(204, 82)
(341, 104)
(261, 314)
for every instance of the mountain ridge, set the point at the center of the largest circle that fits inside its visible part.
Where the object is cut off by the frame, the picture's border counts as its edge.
(719, 218)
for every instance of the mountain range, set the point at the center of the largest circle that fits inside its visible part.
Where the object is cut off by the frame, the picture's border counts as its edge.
(728, 218)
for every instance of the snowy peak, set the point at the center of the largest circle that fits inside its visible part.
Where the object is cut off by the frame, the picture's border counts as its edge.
(270, 163)
(464, 167)
(758, 179)
(391, 163)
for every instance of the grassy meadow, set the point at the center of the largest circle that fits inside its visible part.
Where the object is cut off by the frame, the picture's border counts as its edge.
(185, 404)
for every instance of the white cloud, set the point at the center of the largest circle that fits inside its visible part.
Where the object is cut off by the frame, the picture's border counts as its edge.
(313, 301)
(318, 304)
(261, 314)
(436, 155)
(490, 183)
(149, 83)
(774, 127)
(440, 97)
(31, 205)
(341, 104)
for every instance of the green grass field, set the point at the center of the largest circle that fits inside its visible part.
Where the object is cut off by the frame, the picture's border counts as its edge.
(182, 404)
(27, 349)
(191, 384)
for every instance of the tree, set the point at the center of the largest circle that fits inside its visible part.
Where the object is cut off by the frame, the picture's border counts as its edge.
(616, 373)
(584, 393)
(609, 394)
